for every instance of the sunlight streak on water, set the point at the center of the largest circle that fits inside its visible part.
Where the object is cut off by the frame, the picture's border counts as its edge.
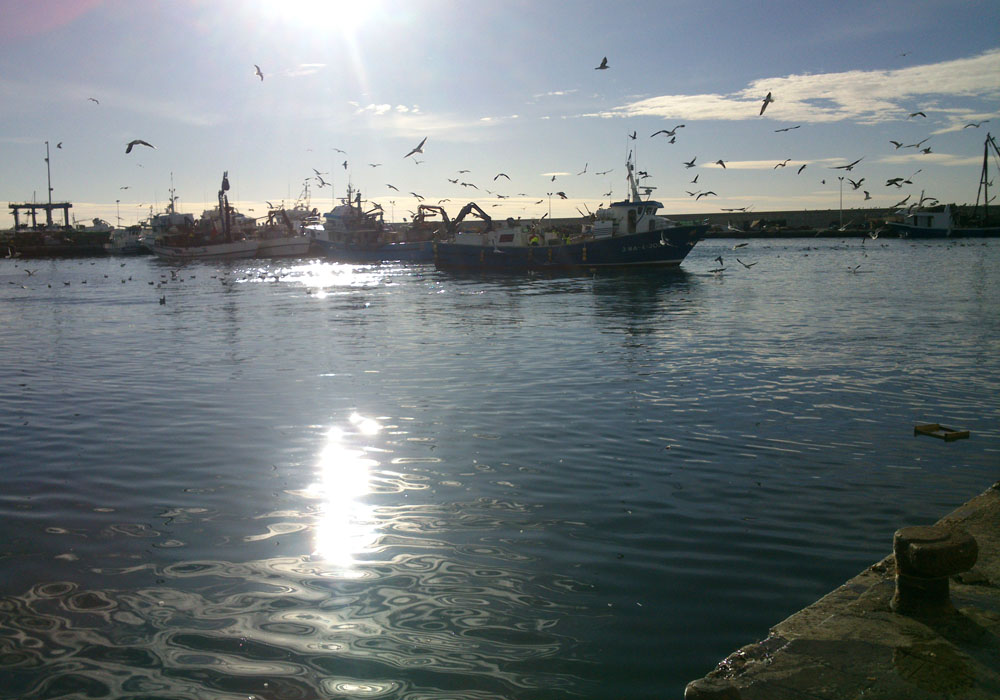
(345, 525)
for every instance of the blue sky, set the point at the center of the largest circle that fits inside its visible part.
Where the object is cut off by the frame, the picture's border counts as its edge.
(494, 87)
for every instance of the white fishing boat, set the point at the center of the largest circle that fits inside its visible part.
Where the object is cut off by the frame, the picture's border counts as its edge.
(178, 238)
(281, 237)
(127, 241)
(944, 220)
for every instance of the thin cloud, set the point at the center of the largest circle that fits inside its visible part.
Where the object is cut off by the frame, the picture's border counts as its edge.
(303, 69)
(862, 96)
(931, 158)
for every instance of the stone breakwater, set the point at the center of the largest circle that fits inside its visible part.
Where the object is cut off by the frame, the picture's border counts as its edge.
(922, 623)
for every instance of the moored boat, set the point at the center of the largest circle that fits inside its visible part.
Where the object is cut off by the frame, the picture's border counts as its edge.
(628, 233)
(940, 221)
(352, 235)
(280, 237)
(48, 239)
(178, 238)
(944, 220)
(127, 241)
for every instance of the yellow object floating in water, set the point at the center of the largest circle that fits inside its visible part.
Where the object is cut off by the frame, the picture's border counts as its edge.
(939, 431)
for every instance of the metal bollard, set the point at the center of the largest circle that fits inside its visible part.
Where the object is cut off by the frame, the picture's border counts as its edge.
(926, 556)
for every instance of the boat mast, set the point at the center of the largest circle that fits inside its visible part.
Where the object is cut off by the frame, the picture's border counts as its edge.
(631, 181)
(984, 178)
(224, 206)
(48, 172)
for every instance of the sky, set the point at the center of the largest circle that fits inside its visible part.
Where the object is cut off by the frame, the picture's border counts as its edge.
(493, 87)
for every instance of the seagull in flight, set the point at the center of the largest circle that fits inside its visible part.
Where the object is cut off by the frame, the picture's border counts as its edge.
(604, 64)
(801, 168)
(746, 265)
(849, 166)
(500, 175)
(137, 142)
(604, 172)
(916, 114)
(787, 128)
(418, 149)
(258, 72)
(721, 162)
(782, 164)
(854, 184)
(767, 101)
(975, 124)
(897, 144)
(392, 187)
(867, 195)
(695, 181)
(704, 194)
(94, 100)
(918, 144)
(690, 163)
(670, 132)
(579, 173)
(374, 165)
(632, 136)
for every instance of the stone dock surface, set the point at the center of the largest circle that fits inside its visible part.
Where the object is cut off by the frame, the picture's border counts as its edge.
(853, 644)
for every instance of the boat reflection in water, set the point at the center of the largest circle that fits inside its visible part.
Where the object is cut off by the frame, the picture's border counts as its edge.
(346, 525)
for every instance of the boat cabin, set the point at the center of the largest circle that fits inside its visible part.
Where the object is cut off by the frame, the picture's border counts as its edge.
(937, 217)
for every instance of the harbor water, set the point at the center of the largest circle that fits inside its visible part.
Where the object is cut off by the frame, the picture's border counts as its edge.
(301, 479)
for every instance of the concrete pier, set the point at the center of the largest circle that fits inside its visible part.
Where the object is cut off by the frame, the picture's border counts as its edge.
(922, 624)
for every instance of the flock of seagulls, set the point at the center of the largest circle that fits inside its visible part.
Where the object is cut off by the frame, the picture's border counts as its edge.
(669, 134)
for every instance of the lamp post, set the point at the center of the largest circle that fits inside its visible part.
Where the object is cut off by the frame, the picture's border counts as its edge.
(841, 178)
(118, 212)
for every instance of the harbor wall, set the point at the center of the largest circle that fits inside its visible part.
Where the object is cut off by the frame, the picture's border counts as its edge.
(860, 641)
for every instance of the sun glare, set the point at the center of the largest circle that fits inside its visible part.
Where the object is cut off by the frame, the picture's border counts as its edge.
(319, 14)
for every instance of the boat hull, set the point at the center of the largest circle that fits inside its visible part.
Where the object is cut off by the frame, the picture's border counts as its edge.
(288, 247)
(909, 231)
(661, 247)
(217, 251)
(408, 251)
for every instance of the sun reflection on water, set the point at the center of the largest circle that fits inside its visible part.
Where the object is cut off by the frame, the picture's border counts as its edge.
(345, 525)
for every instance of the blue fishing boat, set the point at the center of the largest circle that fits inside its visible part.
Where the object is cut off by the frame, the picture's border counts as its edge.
(628, 233)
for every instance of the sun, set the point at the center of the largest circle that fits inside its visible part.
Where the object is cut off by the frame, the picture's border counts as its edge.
(345, 15)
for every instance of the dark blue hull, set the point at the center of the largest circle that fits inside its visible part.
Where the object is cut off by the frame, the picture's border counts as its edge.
(663, 247)
(413, 251)
(908, 231)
